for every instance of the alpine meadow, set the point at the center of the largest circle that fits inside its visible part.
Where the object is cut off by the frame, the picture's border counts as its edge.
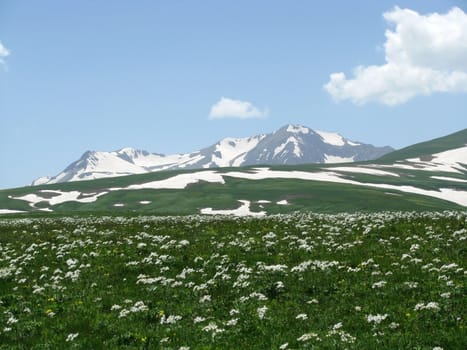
(233, 175)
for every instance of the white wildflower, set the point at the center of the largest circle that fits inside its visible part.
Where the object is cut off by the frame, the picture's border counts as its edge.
(337, 326)
(11, 320)
(262, 311)
(171, 319)
(71, 337)
(234, 312)
(213, 328)
(198, 319)
(411, 285)
(71, 263)
(429, 306)
(432, 306)
(279, 285)
(379, 284)
(377, 319)
(123, 313)
(232, 322)
(312, 301)
(307, 336)
(138, 307)
(204, 299)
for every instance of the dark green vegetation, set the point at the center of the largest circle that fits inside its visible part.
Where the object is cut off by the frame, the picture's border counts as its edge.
(427, 148)
(361, 281)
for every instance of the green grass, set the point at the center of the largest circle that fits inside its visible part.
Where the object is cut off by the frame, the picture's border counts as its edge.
(115, 282)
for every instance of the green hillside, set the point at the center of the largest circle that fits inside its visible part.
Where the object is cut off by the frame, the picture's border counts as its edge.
(455, 140)
(300, 195)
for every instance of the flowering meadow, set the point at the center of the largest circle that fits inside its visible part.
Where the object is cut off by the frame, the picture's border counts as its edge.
(301, 281)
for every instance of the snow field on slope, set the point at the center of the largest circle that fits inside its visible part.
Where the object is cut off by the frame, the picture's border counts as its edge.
(233, 148)
(448, 161)
(296, 149)
(330, 159)
(243, 210)
(331, 138)
(181, 181)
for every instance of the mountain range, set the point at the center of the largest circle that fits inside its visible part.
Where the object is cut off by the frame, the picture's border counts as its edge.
(289, 145)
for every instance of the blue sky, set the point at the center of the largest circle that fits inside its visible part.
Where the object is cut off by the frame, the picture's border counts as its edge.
(103, 75)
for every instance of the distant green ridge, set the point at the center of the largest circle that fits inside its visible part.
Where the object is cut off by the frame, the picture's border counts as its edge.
(441, 144)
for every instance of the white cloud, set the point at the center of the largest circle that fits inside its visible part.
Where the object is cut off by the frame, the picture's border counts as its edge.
(229, 108)
(425, 54)
(3, 50)
(3, 53)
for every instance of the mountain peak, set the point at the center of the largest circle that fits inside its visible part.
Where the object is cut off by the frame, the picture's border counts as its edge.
(295, 129)
(131, 152)
(127, 150)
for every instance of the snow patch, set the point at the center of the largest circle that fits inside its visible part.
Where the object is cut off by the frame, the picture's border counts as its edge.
(233, 150)
(362, 170)
(330, 159)
(353, 143)
(10, 211)
(283, 202)
(331, 138)
(145, 202)
(243, 210)
(447, 194)
(60, 197)
(445, 178)
(298, 129)
(119, 205)
(296, 149)
(41, 181)
(180, 181)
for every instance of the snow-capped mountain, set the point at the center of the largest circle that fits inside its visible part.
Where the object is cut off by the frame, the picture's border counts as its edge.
(291, 144)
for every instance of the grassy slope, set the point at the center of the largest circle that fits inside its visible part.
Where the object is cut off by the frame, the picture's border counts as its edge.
(441, 144)
(302, 195)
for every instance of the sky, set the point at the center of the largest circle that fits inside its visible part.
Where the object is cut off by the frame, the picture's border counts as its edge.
(177, 76)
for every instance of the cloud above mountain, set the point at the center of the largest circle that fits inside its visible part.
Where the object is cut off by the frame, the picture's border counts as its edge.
(230, 108)
(424, 54)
